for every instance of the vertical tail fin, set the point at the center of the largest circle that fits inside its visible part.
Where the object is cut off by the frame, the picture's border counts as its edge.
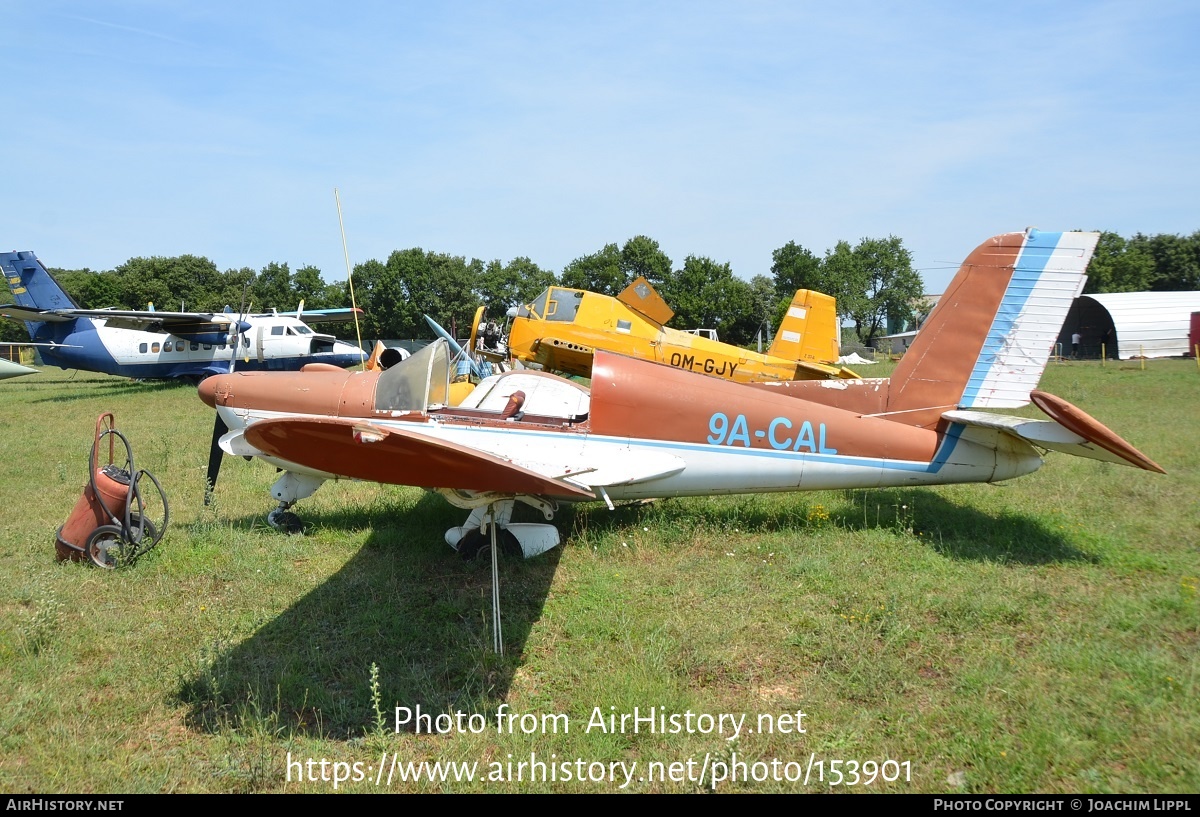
(31, 284)
(986, 343)
(809, 330)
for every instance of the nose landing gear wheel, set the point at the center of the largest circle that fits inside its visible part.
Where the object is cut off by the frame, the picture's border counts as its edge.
(285, 521)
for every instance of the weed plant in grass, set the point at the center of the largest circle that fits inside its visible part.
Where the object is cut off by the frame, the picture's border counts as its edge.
(1034, 636)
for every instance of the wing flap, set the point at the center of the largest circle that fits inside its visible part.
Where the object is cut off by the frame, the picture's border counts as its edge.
(399, 456)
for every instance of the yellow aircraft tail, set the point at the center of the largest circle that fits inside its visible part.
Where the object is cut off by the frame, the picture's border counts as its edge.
(809, 330)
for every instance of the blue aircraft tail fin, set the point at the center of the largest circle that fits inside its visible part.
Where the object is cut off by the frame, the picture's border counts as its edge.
(31, 284)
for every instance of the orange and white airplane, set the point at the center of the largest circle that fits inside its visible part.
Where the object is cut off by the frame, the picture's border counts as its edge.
(647, 430)
(563, 328)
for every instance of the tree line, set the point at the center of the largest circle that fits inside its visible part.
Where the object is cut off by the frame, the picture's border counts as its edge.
(1155, 263)
(874, 283)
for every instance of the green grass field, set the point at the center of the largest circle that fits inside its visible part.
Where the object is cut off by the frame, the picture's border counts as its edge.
(1039, 635)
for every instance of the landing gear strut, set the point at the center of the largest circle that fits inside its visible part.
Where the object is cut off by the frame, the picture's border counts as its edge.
(290, 488)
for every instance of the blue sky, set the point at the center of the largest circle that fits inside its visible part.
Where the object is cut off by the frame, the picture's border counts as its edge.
(495, 130)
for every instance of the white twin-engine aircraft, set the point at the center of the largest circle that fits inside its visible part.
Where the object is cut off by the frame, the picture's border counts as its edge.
(163, 345)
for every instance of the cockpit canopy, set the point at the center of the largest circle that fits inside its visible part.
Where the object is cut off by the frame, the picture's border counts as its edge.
(418, 383)
(554, 304)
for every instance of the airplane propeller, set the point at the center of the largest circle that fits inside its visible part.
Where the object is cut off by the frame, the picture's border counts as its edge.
(240, 327)
(214, 457)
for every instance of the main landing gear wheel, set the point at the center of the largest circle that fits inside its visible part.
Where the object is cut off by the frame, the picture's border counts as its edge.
(285, 521)
(475, 543)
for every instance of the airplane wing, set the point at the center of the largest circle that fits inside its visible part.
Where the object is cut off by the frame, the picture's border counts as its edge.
(365, 451)
(21, 313)
(145, 321)
(323, 315)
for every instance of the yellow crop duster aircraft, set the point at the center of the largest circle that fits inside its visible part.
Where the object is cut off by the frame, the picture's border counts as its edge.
(562, 329)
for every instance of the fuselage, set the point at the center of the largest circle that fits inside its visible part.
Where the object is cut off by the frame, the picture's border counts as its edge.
(651, 432)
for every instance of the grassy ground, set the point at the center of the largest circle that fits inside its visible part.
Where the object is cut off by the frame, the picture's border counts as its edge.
(1036, 636)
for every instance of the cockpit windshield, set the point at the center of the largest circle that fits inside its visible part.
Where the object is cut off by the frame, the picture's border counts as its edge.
(417, 383)
(555, 304)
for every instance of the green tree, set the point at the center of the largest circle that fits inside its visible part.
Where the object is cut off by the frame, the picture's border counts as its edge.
(705, 294)
(641, 256)
(1117, 267)
(272, 289)
(599, 272)
(308, 286)
(91, 290)
(794, 267)
(874, 284)
(185, 280)
(766, 311)
(502, 286)
(1176, 260)
(893, 287)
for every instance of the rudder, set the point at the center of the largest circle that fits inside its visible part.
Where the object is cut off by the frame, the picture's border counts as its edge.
(809, 330)
(987, 342)
(31, 284)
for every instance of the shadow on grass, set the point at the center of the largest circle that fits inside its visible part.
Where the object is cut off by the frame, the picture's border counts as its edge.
(957, 531)
(405, 603)
(409, 605)
(91, 388)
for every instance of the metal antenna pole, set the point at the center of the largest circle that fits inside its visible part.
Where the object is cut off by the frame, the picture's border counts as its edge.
(349, 276)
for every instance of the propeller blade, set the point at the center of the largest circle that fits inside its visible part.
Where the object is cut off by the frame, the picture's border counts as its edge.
(214, 458)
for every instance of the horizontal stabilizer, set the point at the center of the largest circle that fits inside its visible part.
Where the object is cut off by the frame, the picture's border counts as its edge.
(1071, 431)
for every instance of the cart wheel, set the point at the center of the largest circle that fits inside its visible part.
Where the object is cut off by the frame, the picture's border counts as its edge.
(149, 537)
(105, 546)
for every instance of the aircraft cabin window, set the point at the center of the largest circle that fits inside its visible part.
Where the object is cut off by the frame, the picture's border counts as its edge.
(195, 346)
(564, 306)
(154, 347)
(143, 348)
(538, 307)
(276, 330)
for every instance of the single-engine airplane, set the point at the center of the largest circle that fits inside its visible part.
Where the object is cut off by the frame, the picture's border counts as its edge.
(150, 344)
(562, 328)
(646, 430)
